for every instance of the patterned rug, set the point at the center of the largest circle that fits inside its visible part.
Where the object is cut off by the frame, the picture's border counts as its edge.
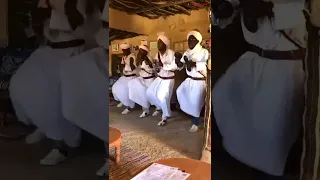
(138, 150)
(131, 162)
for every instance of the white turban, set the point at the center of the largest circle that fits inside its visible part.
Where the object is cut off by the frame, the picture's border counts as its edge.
(197, 47)
(125, 46)
(165, 40)
(144, 48)
(196, 34)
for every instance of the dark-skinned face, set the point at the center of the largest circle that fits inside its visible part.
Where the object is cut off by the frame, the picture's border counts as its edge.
(161, 46)
(126, 52)
(142, 52)
(192, 42)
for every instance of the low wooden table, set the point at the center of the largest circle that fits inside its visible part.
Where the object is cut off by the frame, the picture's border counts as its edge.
(198, 170)
(115, 141)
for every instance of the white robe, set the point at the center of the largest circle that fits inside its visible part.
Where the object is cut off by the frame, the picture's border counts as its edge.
(120, 89)
(191, 93)
(35, 88)
(160, 90)
(257, 103)
(84, 89)
(35, 93)
(138, 86)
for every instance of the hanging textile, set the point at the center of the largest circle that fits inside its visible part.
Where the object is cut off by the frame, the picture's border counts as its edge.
(310, 167)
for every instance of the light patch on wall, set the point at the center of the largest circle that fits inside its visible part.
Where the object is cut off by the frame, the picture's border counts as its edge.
(153, 45)
(181, 21)
(160, 33)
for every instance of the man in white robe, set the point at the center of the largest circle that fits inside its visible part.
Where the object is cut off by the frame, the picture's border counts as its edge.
(35, 88)
(84, 87)
(120, 89)
(160, 90)
(258, 101)
(191, 92)
(138, 86)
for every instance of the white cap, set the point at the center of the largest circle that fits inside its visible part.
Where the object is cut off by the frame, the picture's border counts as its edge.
(125, 46)
(144, 47)
(196, 34)
(165, 40)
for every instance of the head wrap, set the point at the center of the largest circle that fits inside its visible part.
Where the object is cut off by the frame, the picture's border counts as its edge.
(196, 34)
(165, 40)
(197, 47)
(144, 48)
(125, 46)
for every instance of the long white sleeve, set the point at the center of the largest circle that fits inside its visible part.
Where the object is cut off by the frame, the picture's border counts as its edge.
(288, 15)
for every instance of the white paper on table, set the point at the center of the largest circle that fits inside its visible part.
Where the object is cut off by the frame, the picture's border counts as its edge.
(179, 175)
(156, 172)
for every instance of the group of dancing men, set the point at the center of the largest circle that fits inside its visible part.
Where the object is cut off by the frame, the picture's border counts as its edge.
(149, 81)
(62, 87)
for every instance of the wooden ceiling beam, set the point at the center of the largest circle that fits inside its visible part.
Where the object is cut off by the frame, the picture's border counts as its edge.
(161, 6)
(116, 34)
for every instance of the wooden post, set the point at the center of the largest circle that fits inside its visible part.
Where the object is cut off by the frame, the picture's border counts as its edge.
(310, 167)
(315, 12)
(206, 151)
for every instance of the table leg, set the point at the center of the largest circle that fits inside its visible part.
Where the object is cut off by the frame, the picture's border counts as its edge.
(118, 153)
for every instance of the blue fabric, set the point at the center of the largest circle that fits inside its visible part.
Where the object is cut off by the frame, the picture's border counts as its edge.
(10, 62)
(112, 80)
(195, 121)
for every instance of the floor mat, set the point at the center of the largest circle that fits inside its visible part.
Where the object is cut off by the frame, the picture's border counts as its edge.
(137, 151)
(131, 161)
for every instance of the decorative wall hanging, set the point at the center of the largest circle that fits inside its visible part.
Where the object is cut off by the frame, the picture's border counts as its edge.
(115, 48)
